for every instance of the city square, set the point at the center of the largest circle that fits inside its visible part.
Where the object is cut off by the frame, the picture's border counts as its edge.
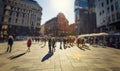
(59, 35)
(96, 58)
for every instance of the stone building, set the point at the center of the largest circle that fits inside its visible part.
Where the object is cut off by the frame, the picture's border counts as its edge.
(72, 29)
(51, 28)
(57, 26)
(63, 24)
(42, 29)
(108, 15)
(19, 18)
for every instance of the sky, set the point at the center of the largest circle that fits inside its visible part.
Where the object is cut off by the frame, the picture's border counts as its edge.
(52, 7)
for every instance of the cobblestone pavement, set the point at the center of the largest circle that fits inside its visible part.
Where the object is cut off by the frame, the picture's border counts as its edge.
(70, 59)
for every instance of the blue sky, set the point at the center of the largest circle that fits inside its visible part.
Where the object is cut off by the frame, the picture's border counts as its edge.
(52, 7)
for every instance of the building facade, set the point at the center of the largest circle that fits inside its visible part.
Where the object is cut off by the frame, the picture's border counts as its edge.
(108, 15)
(51, 28)
(20, 18)
(1, 18)
(85, 16)
(63, 24)
(72, 29)
(57, 26)
(92, 17)
(42, 30)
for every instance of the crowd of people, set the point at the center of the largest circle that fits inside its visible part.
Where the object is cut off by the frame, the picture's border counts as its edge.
(105, 41)
(67, 42)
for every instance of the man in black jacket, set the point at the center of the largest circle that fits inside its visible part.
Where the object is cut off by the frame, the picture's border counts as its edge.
(10, 43)
(50, 44)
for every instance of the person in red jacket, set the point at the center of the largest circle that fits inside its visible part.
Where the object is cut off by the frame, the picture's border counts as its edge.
(29, 42)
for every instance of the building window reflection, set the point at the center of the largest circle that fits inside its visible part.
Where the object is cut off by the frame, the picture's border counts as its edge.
(116, 5)
(113, 17)
(118, 15)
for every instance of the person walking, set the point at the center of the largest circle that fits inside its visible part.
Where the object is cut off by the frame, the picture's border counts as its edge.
(29, 42)
(45, 41)
(53, 44)
(64, 42)
(10, 43)
(78, 42)
(61, 40)
(49, 45)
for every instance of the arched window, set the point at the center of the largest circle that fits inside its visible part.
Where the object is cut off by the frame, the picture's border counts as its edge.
(7, 12)
(14, 14)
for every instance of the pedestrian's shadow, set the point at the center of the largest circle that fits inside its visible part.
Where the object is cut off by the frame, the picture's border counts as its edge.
(86, 47)
(47, 56)
(16, 56)
(43, 46)
(81, 48)
(2, 53)
(94, 46)
(41, 43)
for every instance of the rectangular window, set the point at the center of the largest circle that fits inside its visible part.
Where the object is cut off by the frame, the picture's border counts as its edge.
(77, 15)
(17, 14)
(100, 13)
(118, 15)
(108, 10)
(102, 4)
(20, 21)
(38, 19)
(103, 11)
(20, 15)
(111, 0)
(107, 1)
(109, 19)
(16, 21)
(14, 14)
(12, 21)
(6, 19)
(38, 24)
(113, 17)
(7, 12)
(116, 5)
(112, 8)
(84, 4)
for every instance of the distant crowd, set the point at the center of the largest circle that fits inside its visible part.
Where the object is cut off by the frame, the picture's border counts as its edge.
(70, 41)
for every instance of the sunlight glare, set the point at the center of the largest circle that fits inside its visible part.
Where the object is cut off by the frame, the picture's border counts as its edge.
(60, 5)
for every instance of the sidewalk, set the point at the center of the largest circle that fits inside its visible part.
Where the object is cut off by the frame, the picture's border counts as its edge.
(70, 59)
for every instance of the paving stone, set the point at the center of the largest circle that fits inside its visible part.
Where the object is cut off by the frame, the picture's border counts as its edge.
(99, 69)
(58, 69)
(115, 69)
(82, 68)
(48, 70)
(70, 59)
